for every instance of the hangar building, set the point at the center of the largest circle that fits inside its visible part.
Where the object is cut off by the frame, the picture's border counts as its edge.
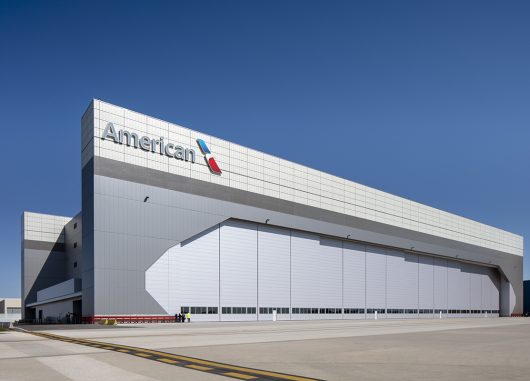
(174, 220)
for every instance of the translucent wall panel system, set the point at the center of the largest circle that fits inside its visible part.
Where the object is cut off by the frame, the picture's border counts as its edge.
(238, 269)
(440, 285)
(305, 273)
(426, 286)
(375, 280)
(330, 277)
(401, 284)
(354, 279)
(274, 271)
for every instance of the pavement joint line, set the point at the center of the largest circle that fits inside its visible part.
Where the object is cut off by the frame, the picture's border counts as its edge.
(207, 366)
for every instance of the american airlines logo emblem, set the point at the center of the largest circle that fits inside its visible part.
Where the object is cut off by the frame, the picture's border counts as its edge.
(212, 164)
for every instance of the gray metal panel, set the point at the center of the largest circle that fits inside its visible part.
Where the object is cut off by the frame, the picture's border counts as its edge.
(330, 276)
(238, 267)
(440, 284)
(375, 277)
(426, 282)
(305, 272)
(354, 278)
(402, 282)
(274, 269)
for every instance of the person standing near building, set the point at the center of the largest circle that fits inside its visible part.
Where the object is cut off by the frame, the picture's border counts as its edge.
(188, 316)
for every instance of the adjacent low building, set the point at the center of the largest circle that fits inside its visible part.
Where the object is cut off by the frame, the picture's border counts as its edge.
(10, 310)
(174, 220)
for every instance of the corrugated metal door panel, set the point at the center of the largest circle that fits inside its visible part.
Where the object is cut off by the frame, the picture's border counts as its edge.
(495, 290)
(305, 273)
(490, 289)
(458, 287)
(440, 284)
(475, 288)
(426, 284)
(238, 268)
(375, 279)
(274, 270)
(354, 278)
(401, 283)
(330, 276)
(194, 274)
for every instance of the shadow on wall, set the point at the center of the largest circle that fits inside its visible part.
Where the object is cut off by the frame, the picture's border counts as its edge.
(44, 267)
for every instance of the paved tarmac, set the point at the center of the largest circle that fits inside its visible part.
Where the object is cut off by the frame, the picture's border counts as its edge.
(456, 349)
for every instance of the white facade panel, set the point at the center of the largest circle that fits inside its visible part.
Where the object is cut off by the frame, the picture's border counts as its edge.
(238, 269)
(354, 283)
(375, 280)
(305, 269)
(274, 271)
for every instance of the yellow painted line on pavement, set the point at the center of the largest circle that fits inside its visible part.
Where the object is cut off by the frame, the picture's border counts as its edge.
(193, 363)
(142, 354)
(198, 367)
(167, 361)
(239, 375)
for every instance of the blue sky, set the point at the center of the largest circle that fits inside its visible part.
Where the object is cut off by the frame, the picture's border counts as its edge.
(428, 100)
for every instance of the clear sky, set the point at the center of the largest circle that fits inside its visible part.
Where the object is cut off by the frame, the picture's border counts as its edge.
(428, 100)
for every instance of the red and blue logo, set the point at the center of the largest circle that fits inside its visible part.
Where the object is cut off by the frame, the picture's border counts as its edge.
(212, 164)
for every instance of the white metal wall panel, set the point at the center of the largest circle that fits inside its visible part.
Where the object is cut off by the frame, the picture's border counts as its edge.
(238, 267)
(330, 276)
(194, 274)
(354, 278)
(375, 279)
(401, 284)
(440, 284)
(305, 273)
(274, 270)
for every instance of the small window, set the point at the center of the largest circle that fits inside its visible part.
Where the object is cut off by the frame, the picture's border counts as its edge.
(75, 225)
(75, 245)
(13, 310)
(184, 310)
(75, 265)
